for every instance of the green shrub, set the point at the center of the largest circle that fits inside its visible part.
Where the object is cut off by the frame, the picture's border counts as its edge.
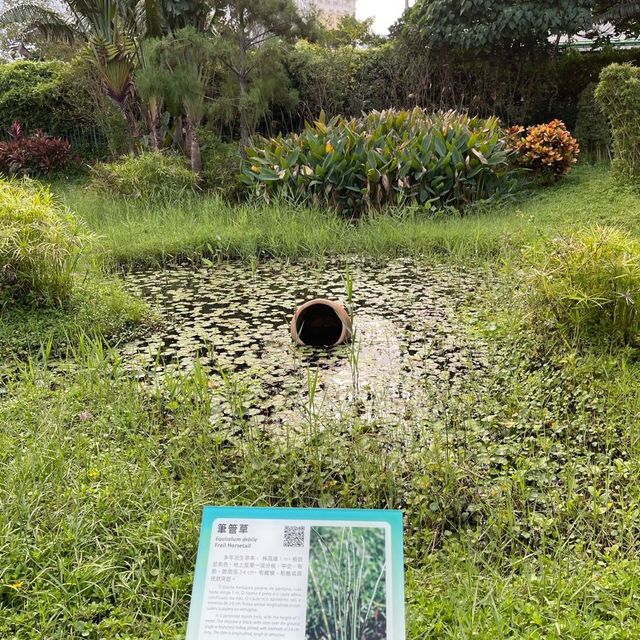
(40, 242)
(515, 86)
(618, 93)
(221, 166)
(34, 94)
(549, 151)
(150, 176)
(326, 78)
(586, 286)
(61, 98)
(384, 158)
(592, 127)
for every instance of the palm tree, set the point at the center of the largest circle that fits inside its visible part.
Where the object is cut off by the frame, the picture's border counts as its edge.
(623, 14)
(112, 31)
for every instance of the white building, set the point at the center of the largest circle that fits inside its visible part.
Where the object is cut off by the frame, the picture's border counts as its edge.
(331, 11)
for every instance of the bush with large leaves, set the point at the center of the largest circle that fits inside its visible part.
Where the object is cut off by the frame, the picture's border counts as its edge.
(486, 25)
(384, 158)
(548, 150)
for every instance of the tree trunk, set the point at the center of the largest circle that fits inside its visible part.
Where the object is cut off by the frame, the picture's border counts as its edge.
(178, 135)
(155, 122)
(244, 125)
(133, 128)
(195, 156)
(187, 139)
(132, 125)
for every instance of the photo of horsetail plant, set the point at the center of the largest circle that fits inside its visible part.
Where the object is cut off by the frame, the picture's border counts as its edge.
(346, 596)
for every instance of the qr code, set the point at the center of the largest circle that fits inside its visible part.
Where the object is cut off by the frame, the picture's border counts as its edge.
(294, 536)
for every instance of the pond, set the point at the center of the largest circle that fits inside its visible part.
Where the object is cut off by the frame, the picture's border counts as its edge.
(411, 340)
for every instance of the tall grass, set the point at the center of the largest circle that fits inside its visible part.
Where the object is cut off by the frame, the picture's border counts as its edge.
(40, 243)
(586, 285)
(139, 233)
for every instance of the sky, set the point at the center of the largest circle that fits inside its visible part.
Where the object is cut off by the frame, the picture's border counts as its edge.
(386, 12)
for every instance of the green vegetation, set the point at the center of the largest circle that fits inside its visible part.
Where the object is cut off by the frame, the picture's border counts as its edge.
(150, 176)
(251, 53)
(272, 80)
(96, 308)
(137, 233)
(392, 157)
(37, 94)
(177, 72)
(587, 286)
(487, 25)
(592, 128)
(460, 594)
(618, 94)
(40, 243)
(221, 166)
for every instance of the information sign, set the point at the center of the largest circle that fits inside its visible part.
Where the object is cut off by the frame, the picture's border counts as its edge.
(298, 574)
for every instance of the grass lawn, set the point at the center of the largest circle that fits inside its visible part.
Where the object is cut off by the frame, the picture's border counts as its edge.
(522, 517)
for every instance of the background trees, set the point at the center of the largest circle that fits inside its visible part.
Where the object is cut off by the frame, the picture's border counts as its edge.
(624, 15)
(487, 25)
(178, 73)
(251, 38)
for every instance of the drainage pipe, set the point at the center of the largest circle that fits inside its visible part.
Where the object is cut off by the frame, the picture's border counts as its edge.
(321, 323)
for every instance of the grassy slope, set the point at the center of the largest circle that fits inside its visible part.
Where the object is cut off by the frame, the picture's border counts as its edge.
(526, 526)
(137, 234)
(96, 308)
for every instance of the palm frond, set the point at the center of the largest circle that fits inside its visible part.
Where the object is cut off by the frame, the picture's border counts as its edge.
(118, 80)
(48, 23)
(629, 10)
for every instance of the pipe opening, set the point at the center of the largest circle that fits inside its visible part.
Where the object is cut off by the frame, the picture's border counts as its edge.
(319, 326)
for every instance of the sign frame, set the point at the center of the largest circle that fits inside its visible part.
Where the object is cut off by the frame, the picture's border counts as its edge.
(390, 520)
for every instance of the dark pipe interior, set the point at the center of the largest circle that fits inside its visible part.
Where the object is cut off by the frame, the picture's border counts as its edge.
(319, 326)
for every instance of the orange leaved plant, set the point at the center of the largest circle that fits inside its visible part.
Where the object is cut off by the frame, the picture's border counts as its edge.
(549, 150)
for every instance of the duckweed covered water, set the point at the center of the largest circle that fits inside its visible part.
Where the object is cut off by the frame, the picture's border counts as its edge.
(411, 341)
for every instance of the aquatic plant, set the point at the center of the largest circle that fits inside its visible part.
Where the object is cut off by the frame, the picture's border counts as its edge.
(346, 597)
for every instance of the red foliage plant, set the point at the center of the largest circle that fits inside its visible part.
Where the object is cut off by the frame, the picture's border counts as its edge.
(548, 150)
(34, 154)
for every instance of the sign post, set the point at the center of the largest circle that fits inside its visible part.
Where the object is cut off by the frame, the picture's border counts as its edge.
(298, 574)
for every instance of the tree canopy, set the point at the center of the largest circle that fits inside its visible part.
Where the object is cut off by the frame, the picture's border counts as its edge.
(249, 33)
(485, 25)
